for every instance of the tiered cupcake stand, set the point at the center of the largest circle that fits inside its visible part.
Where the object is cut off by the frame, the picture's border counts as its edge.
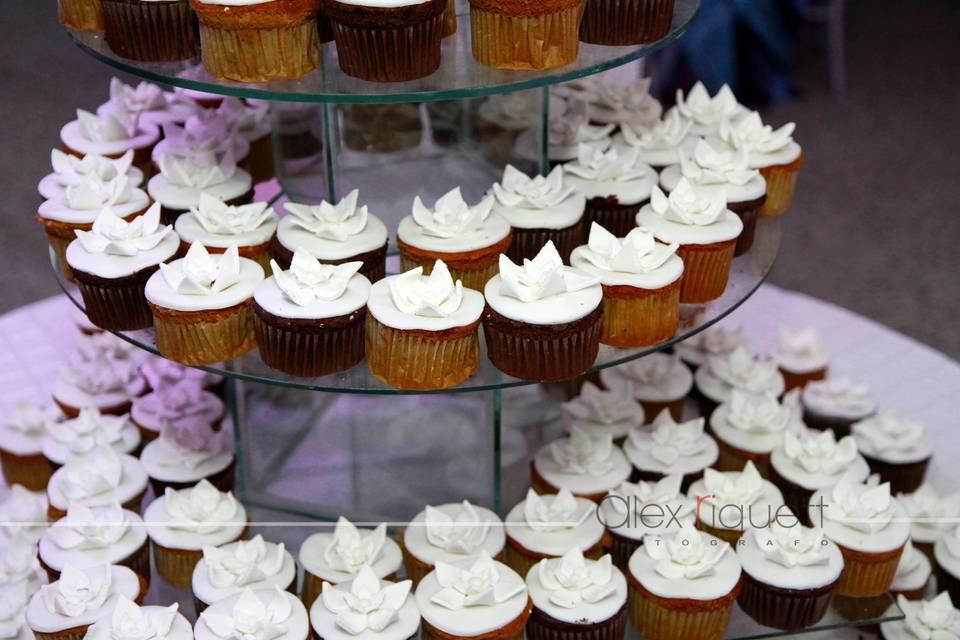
(311, 449)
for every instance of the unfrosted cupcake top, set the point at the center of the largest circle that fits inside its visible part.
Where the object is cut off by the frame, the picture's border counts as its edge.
(764, 145)
(707, 112)
(181, 403)
(452, 225)
(214, 223)
(413, 301)
(92, 536)
(553, 524)
(756, 500)
(97, 478)
(892, 438)
(205, 132)
(582, 463)
(602, 412)
(111, 133)
(667, 447)
(815, 459)
(932, 515)
(913, 570)
(23, 431)
(715, 341)
(80, 597)
(659, 143)
(244, 564)
(367, 609)
(186, 452)
(801, 350)
(839, 397)
(740, 369)
(264, 614)
(657, 377)
(576, 590)
(70, 170)
(539, 202)
(201, 281)
(689, 216)
(452, 532)
(635, 510)
(332, 232)
(150, 102)
(24, 513)
(81, 203)
(923, 620)
(130, 621)
(751, 422)
(617, 173)
(861, 516)
(194, 518)
(636, 260)
(312, 290)
(88, 431)
(710, 169)
(789, 557)
(339, 555)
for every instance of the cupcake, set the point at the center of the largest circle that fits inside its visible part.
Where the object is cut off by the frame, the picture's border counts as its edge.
(450, 533)
(97, 380)
(568, 128)
(181, 403)
(181, 523)
(368, 607)
(89, 537)
(773, 152)
(186, 453)
(715, 341)
(706, 112)
(387, 42)
(740, 369)
(577, 598)
(421, 331)
(338, 556)
(730, 502)
(129, 618)
(801, 356)
(931, 515)
(244, 564)
(65, 609)
(587, 466)
(24, 514)
(748, 428)
(666, 447)
(632, 511)
(946, 553)
(264, 612)
(217, 225)
(258, 41)
(471, 598)
(250, 120)
(149, 101)
(203, 305)
(601, 413)
(542, 320)
(896, 448)
(468, 239)
(913, 574)
(706, 232)
(160, 372)
(836, 404)
(682, 586)
(935, 618)
(515, 35)
(871, 529)
(808, 461)
(19, 564)
(152, 32)
(612, 102)
(657, 381)
(309, 320)
(181, 181)
(70, 170)
(98, 478)
(112, 262)
(658, 144)
(208, 134)
(85, 433)
(548, 526)
(110, 134)
(615, 184)
(539, 210)
(334, 234)
(16, 596)
(789, 574)
(21, 446)
(611, 22)
(82, 15)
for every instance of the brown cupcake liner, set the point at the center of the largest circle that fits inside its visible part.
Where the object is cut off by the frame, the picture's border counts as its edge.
(792, 380)
(780, 608)
(421, 359)
(903, 478)
(653, 476)
(223, 480)
(634, 317)
(374, 262)
(706, 406)
(706, 268)
(624, 22)
(82, 15)
(260, 159)
(781, 184)
(912, 594)
(399, 127)
(309, 348)
(59, 236)
(133, 504)
(521, 559)
(542, 626)
(31, 472)
(618, 219)
(733, 459)
(324, 27)
(543, 486)
(116, 304)
(866, 575)
(204, 337)
(546, 353)
(262, 54)
(948, 582)
(391, 44)
(152, 31)
(657, 618)
(652, 409)
(747, 212)
(513, 630)
(839, 425)
(621, 548)
(416, 569)
(794, 496)
(540, 41)
(473, 268)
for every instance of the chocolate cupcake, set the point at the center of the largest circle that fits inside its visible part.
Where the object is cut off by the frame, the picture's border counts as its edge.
(946, 552)
(586, 466)
(153, 31)
(602, 412)
(836, 404)
(623, 22)
(731, 502)
(666, 447)
(218, 225)
(896, 448)
(748, 428)
(913, 574)
(802, 357)
(740, 369)
(657, 381)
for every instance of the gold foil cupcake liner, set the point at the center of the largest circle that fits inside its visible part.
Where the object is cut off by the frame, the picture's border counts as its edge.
(204, 337)
(781, 184)
(31, 472)
(82, 15)
(866, 575)
(634, 317)
(525, 41)
(261, 54)
(706, 269)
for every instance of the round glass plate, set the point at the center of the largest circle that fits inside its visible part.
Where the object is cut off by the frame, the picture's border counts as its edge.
(748, 272)
(459, 76)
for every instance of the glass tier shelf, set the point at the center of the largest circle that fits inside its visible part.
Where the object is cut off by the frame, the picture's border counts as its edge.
(459, 76)
(748, 272)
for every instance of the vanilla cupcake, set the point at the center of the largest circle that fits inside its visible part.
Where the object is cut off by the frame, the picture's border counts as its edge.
(217, 226)
(450, 533)
(657, 381)
(932, 516)
(93, 536)
(666, 447)
(467, 238)
(587, 466)
(86, 432)
(179, 403)
(548, 526)
(802, 356)
(946, 553)
(896, 448)
(186, 453)
(913, 574)
(24, 513)
(272, 612)
(707, 113)
(540, 210)
(334, 234)
(97, 478)
(97, 380)
(936, 618)
(21, 446)
(749, 427)
(602, 412)
(755, 501)
(111, 134)
(660, 143)
(836, 404)
(715, 341)
(182, 179)
(706, 231)
(740, 369)
(150, 102)
(632, 511)
(70, 170)
(368, 607)
(245, 564)
(338, 556)
(181, 523)
(130, 620)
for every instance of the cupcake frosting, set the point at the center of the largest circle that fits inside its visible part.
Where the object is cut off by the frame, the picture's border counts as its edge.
(539, 202)
(740, 369)
(687, 564)
(715, 341)
(366, 609)
(195, 518)
(567, 129)
(764, 145)
(13, 610)
(182, 179)
(890, 437)
(657, 377)
(688, 216)
(602, 412)
(636, 260)
(80, 597)
(18, 562)
(751, 422)
(129, 621)
(24, 513)
(582, 463)
(452, 225)
(150, 102)
(160, 372)
(617, 103)
(755, 500)
(264, 614)
(801, 351)
(553, 524)
(931, 514)
(70, 170)
(111, 133)
(205, 132)
(615, 172)
(935, 619)
(708, 112)
(789, 557)
(88, 431)
(24, 430)
(815, 459)
(332, 232)
(709, 169)
(214, 223)
(635, 510)
(202, 281)
(82, 202)
(861, 516)
(841, 397)
(542, 290)
(97, 478)
(115, 248)
(338, 556)
(660, 143)
(250, 119)
(92, 536)
(312, 290)
(668, 447)
(575, 590)
(245, 564)
(913, 570)
(452, 532)
(97, 380)
(187, 451)
(413, 301)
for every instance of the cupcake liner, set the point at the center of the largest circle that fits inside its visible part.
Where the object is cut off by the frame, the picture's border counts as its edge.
(309, 348)
(706, 268)
(544, 487)
(151, 31)
(747, 212)
(792, 380)
(781, 183)
(421, 359)
(204, 337)
(903, 478)
(82, 15)
(546, 353)
(473, 268)
(912, 594)
(138, 562)
(116, 304)
(948, 582)
(374, 262)
(450, 18)
(657, 618)
(75, 633)
(858, 609)
(260, 159)
(867, 574)
(59, 236)
(733, 459)
(652, 409)
(794, 496)
(223, 480)
(176, 566)
(391, 44)
(541, 626)
(32, 472)
(525, 41)
(727, 535)
(634, 317)
(118, 409)
(653, 476)
(324, 26)
(621, 548)
(706, 406)
(839, 425)
(623, 22)
(169, 216)
(618, 219)
(513, 630)
(416, 569)
(780, 608)
(474, 279)
(260, 54)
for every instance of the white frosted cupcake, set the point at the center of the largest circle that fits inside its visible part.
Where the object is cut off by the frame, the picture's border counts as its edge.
(245, 564)
(946, 553)
(657, 381)
(707, 113)
(70, 170)
(99, 380)
(218, 225)
(602, 412)
(16, 597)
(836, 404)
(24, 512)
(756, 501)
(153, 105)
(178, 403)
(660, 143)
(666, 447)
(740, 369)
(206, 132)
(97, 478)
(896, 448)
(19, 564)
(182, 179)
(334, 234)
(110, 134)
(128, 618)
(913, 573)
(262, 612)
(186, 453)
(715, 341)
(802, 356)
(548, 526)
(367, 607)
(749, 427)
(160, 372)
(86, 432)
(922, 619)
(932, 515)
(613, 102)
(21, 446)
(588, 466)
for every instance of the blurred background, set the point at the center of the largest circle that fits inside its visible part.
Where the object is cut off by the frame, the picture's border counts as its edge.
(873, 227)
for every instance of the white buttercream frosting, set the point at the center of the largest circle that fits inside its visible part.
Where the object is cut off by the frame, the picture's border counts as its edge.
(815, 459)
(913, 570)
(332, 232)
(657, 377)
(713, 341)
(688, 216)
(890, 437)
(616, 173)
(92, 536)
(932, 514)
(451, 216)
(539, 202)
(552, 524)
(97, 380)
(187, 451)
(451, 532)
(751, 421)
(659, 143)
(765, 145)
(244, 564)
(263, 614)
(602, 412)
(801, 351)
(736, 500)
(116, 248)
(712, 170)
(311, 289)
(150, 102)
(634, 510)
(112, 133)
(740, 369)
(668, 447)
(96, 478)
(181, 403)
(436, 302)
(160, 372)
(202, 281)
(81, 203)
(205, 132)
(575, 590)
(182, 179)
(338, 556)
(568, 128)
(617, 103)
(70, 170)
(23, 431)
(708, 112)
(13, 610)
(80, 597)
(369, 608)
(935, 619)
(687, 564)
(88, 431)
(214, 223)
(839, 397)
(129, 621)
(195, 517)
(635, 260)
(18, 563)
(861, 516)
(23, 514)
(583, 463)
(787, 555)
